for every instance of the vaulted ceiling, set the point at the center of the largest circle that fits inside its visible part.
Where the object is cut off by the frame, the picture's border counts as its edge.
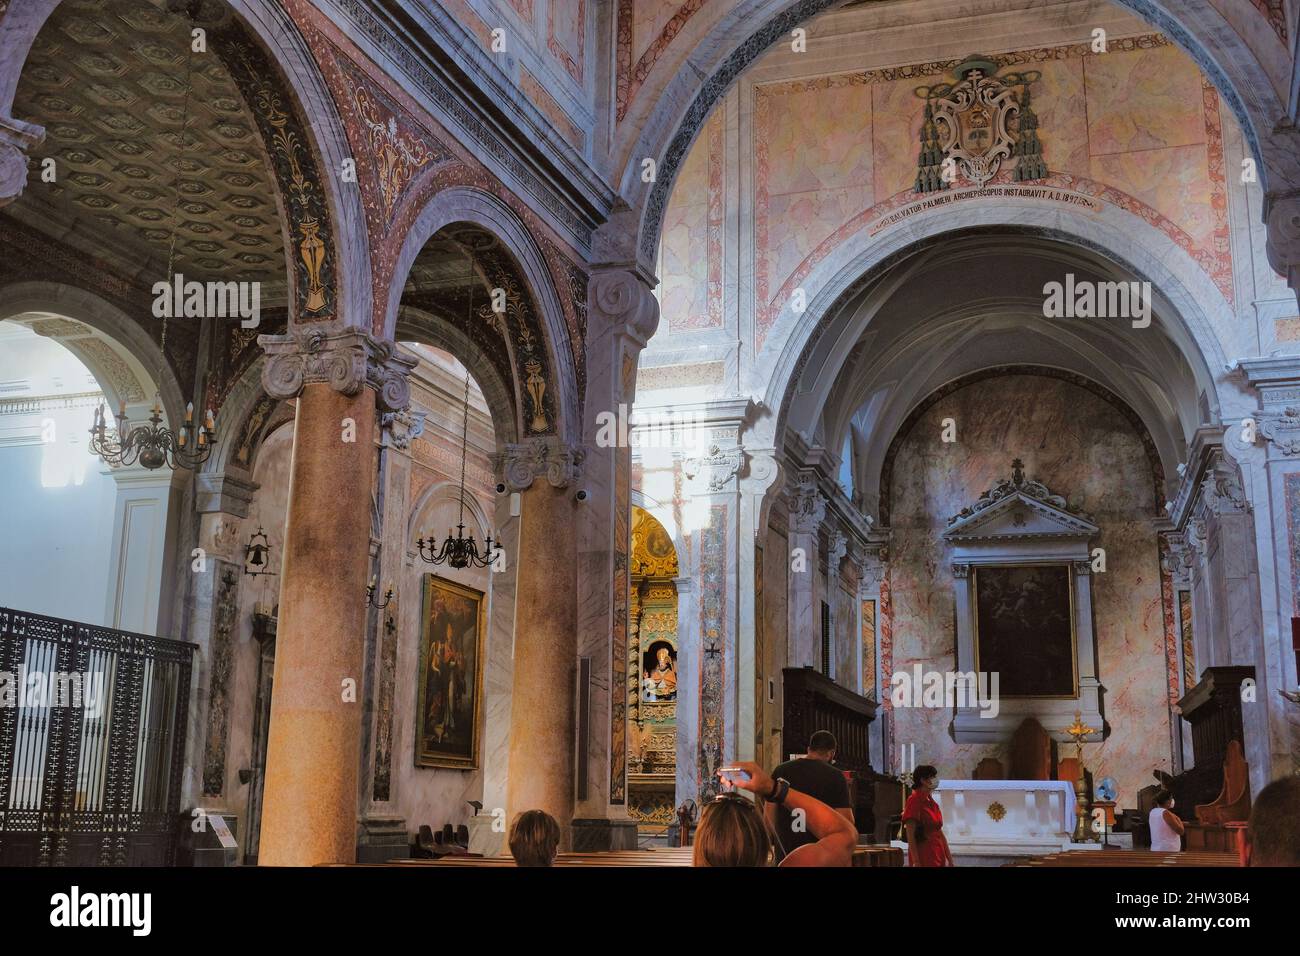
(107, 79)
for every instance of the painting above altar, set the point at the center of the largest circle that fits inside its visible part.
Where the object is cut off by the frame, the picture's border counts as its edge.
(1024, 629)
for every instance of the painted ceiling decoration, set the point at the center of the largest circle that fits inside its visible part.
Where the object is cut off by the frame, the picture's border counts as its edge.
(464, 256)
(289, 146)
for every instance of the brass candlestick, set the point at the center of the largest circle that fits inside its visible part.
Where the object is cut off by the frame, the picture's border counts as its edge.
(1078, 730)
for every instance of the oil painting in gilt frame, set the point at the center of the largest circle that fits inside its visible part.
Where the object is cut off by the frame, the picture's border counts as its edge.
(451, 675)
(1024, 629)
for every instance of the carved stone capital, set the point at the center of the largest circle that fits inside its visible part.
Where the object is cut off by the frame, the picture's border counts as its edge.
(807, 505)
(837, 547)
(1223, 491)
(623, 301)
(716, 471)
(518, 465)
(1282, 430)
(874, 565)
(961, 571)
(348, 360)
(1177, 559)
(401, 428)
(1082, 569)
(16, 138)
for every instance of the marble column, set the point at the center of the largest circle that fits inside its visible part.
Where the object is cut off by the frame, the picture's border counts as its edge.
(314, 744)
(717, 679)
(622, 316)
(382, 833)
(543, 708)
(807, 513)
(761, 473)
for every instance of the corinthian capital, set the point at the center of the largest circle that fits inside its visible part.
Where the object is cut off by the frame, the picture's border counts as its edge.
(16, 138)
(807, 505)
(622, 300)
(519, 465)
(348, 360)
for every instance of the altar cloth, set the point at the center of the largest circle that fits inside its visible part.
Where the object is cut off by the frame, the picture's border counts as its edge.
(1007, 814)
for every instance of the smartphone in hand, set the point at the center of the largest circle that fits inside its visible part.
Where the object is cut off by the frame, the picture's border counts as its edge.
(734, 775)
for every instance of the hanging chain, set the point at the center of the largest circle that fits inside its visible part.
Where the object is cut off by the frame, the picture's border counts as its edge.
(464, 434)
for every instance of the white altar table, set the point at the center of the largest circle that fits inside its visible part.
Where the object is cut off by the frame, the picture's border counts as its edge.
(1006, 817)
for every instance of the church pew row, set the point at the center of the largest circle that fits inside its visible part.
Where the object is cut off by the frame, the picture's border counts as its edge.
(661, 856)
(1130, 858)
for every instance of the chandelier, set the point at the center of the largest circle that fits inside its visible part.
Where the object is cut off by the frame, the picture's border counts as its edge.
(460, 552)
(152, 444)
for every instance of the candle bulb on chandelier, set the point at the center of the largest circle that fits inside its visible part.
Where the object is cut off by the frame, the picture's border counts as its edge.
(189, 412)
(203, 436)
(210, 421)
(121, 409)
(180, 439)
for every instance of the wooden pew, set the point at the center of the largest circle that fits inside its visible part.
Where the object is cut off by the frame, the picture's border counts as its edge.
(865, 856)
(1104, 859)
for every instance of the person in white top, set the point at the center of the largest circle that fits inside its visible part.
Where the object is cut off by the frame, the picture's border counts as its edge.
(1166, 828)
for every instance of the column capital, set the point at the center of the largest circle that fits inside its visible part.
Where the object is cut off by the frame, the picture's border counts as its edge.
(807, 504)
(961, 571)
(517, 465)
(1177, 558)
(873, 564)
(16, 138)
(347, 359)
(624, 301)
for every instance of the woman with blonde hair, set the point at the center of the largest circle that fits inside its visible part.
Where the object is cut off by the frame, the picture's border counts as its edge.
(734, 832)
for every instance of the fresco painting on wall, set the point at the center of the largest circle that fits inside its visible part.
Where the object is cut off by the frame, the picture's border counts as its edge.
(1025, 629)
(451, 675)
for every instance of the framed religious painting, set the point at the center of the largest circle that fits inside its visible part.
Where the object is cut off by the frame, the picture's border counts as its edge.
(451, 675)
(1024, 629)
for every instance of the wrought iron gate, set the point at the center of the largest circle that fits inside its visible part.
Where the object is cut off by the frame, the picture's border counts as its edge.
(92, 743)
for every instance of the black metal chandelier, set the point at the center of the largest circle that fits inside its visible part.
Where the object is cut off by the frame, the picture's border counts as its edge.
(459, 551)
(152, 444)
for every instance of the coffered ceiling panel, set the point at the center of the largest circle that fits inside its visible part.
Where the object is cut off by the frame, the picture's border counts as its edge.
(107, 80)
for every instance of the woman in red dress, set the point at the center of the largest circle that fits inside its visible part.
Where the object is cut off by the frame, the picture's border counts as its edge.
(923, 822)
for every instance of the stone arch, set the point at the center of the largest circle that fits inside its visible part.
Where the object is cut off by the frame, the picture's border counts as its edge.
(72, 303)
(462, 204)
(274, 32)
(443, 491)
(1189, 296)
(718, 52)
(416, 325)
(937, 395)
(664, 514)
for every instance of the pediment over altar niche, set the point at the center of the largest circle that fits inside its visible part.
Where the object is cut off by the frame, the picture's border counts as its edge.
(1018, 508)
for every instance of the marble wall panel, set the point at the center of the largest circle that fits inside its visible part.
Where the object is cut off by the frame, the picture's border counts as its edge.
(690, 294)
(1082, 448)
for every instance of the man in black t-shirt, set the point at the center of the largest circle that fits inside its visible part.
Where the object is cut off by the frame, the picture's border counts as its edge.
(815, 776)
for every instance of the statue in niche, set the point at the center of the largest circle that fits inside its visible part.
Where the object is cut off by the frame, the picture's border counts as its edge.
(659, 672)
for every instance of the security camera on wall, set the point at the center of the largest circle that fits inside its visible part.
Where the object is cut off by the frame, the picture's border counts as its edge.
(501, 487)
(581, 495)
